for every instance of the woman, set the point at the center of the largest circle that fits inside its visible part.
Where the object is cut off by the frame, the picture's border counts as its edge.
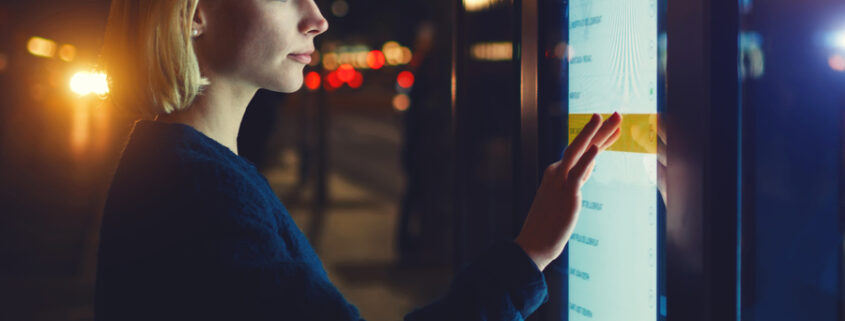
(193, 231)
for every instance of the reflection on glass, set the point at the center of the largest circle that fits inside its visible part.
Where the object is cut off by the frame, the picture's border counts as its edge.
(792, 160)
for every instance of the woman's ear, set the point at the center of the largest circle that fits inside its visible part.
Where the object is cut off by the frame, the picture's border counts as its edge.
(198, 24)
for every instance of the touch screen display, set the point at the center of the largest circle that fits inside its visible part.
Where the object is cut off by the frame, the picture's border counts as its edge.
(612, 54)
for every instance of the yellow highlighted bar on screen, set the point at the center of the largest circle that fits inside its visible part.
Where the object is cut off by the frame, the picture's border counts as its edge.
(639, 132)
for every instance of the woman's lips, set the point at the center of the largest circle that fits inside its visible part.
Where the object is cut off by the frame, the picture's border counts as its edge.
(304, 58)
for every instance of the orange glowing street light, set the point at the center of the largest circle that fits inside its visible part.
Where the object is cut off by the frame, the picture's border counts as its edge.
(41, 47)
(84, 83)
(67, 53)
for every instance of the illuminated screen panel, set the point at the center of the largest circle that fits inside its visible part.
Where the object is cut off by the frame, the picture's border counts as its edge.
(613, 253)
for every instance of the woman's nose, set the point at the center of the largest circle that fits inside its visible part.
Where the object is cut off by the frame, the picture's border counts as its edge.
(313, 23)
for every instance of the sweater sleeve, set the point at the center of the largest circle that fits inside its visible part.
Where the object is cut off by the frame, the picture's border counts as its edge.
(504, 284)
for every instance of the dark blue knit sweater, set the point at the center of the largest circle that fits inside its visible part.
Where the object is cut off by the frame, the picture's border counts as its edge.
(192, 231)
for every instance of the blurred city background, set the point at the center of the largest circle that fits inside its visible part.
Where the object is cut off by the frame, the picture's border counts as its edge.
(360, 156)
(413, 146)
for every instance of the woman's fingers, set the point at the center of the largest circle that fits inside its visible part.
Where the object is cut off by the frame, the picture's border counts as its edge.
(580, 143)
(590, 171)
(611, 140)
(607, 143)
(577, 174)
(610, 126)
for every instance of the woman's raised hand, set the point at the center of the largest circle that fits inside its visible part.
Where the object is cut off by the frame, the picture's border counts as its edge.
(553, 214)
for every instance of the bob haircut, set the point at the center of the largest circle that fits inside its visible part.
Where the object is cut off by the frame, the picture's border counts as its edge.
(149, 57)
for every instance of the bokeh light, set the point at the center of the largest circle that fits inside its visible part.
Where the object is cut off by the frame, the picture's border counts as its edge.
(312, 80)
(67, 53)
(357, 80)
(839, 40)
(390, 45)
(837, 63)
(494, 51)
(41, 47)
(392, 52)
(562, 50)
(332, 81)
(405, 79)
(360, 59)
(345, 73)
(85, 83)
(401, 102)
(406, 57)
(330, 61)
(340, 8)
(478, 5)
(375, 59)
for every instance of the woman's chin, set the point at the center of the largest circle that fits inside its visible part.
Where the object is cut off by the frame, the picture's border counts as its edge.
(287, 86)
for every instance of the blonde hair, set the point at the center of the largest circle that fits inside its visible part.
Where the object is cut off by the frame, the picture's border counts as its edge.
(149, 57)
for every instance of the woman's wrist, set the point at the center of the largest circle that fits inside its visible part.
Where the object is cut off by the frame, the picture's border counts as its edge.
(540, 260)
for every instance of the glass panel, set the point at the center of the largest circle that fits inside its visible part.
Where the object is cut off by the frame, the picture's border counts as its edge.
(793, 88)
(487, 125)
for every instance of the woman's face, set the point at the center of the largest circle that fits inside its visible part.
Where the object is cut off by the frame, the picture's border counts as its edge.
(263, 43)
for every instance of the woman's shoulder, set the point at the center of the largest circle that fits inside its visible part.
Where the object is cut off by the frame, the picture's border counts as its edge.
(174, 166)
(170, 152)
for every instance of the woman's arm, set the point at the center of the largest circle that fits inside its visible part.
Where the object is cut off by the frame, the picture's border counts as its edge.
(507, 282)
(208, 250)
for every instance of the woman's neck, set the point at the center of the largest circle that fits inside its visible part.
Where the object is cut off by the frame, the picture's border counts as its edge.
(217, 112)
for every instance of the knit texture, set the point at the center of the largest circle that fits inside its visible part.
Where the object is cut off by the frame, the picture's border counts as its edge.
(192, 231)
